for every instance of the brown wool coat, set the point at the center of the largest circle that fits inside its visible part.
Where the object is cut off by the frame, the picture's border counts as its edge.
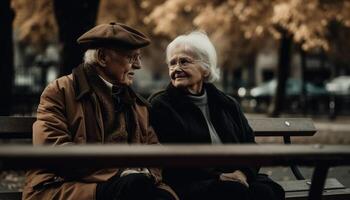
(69, 113)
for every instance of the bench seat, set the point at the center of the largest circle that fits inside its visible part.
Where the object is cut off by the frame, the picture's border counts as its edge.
(299, 189)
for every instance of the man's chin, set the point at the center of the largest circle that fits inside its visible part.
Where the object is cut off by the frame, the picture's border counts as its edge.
(128, 82)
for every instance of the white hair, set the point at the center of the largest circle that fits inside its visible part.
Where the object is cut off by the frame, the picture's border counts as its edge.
(198, 43)
(90, 56)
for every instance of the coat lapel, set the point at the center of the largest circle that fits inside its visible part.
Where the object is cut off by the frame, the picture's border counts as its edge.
(84, 93)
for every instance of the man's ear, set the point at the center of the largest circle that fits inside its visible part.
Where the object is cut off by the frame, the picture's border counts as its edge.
(101, 57)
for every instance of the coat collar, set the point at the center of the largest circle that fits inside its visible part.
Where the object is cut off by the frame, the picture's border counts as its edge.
(214, 95)
(82, 87)
(80, 82)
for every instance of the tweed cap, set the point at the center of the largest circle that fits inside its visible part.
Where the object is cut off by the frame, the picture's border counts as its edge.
(115, 35)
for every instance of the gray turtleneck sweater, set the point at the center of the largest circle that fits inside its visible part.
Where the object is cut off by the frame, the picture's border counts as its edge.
(202, 103)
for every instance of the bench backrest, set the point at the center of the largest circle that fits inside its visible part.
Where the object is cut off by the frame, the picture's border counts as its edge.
(109, 155)
(21, 127)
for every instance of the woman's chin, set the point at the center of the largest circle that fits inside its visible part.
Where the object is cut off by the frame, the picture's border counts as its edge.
(179, 83)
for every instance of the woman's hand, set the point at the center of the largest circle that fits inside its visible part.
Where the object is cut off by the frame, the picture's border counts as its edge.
(235, 176)
(128, 171)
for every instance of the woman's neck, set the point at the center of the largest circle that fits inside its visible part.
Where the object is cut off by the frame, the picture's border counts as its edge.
(196, 89)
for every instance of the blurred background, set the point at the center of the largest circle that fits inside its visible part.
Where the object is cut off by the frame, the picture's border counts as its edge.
(276, 56)
(285, 58)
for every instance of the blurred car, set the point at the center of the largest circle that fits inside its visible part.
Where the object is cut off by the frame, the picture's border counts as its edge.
(339, 85)
(261, 96)
(293, 88)
(339, 88)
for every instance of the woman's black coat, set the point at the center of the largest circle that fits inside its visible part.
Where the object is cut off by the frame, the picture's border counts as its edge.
(177, 120)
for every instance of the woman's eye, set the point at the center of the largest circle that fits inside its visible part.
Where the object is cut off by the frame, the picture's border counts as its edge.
(184, 61)
(172, 62)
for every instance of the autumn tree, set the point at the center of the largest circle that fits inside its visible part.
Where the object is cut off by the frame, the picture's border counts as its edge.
(35, 23)
(41, 22)
(238, 28)
(134, 13)
(229, 22)
(73, 18)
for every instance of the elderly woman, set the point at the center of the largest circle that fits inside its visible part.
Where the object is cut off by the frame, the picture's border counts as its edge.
(192, 110)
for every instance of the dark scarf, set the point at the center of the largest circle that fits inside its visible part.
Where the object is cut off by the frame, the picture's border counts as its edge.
(224, 114)
(117, 115)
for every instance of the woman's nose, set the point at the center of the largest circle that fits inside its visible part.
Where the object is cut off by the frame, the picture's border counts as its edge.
(177, 68)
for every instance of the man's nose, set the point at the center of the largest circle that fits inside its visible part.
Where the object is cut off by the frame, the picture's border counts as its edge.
(136, 65)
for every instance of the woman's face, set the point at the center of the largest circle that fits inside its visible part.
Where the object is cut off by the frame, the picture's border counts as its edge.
(185, 70)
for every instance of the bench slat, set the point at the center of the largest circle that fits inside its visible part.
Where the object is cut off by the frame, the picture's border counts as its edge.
(304, 185)
(332, 194)
(21, 157)
(21, 127)
(329, 194)
(295, 190)
(10, 195)
(282, 126)
(16, 127)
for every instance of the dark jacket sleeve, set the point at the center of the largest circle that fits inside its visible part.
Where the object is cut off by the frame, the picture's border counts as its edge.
(250, 172)
(167, 127)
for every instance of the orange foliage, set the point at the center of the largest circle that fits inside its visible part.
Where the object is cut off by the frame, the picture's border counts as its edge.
(35, 21)
(229, 20)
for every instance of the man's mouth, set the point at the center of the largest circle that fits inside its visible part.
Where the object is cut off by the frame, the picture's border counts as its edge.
(131, 73)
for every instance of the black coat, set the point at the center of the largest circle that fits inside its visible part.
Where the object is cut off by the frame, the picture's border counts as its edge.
(177, 120)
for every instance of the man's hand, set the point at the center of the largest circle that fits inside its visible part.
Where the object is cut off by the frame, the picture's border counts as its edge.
(235, 176)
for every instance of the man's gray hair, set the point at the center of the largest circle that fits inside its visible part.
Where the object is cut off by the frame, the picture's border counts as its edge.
(90, 56)
(198, 43)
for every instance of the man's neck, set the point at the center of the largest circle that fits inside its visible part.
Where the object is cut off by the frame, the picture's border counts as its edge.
(109, 85)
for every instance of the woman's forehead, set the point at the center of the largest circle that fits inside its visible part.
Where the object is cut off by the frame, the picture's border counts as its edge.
(183, 51)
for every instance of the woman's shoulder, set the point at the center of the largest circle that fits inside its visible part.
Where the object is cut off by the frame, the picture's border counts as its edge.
(221, 96)
(159, 96)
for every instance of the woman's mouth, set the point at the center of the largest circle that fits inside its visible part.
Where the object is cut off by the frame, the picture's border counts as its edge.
(178, 74)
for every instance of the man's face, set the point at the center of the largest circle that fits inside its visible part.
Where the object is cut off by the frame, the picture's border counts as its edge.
(120, 65)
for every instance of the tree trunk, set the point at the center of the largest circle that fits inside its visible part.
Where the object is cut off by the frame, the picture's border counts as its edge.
(6, 57)
(251, 61)
(303, 95)
(284, 58)
(225, 79)
(73, 19)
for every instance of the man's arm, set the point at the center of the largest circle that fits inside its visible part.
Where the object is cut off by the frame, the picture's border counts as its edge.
(51, 126)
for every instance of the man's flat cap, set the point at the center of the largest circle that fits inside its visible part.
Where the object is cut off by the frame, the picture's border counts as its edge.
(114, 35)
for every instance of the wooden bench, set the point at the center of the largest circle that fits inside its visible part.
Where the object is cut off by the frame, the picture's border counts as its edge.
(22, 157)
(21, 128)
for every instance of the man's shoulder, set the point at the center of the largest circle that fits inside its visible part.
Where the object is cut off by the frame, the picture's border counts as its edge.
(64, 82)
(142, 101)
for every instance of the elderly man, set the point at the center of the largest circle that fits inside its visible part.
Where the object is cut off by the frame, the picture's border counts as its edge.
(95, 104)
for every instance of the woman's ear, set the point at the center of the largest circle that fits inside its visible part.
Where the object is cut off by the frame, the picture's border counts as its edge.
(101, 57)
(206, 73)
